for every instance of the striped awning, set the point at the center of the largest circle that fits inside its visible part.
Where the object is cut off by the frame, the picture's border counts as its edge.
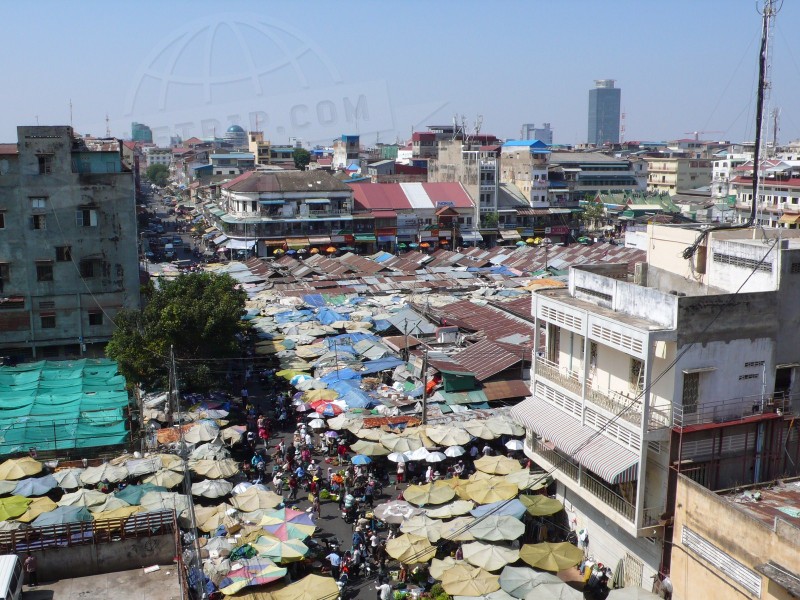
(789, 218)
(510, 234)
(318, 240)
(612, 461)
(296, 243)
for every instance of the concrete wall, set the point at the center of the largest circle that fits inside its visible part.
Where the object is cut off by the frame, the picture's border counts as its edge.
(94, 559)
(733, 532)
(703, 319)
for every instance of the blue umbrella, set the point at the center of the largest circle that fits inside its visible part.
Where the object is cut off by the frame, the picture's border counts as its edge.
(35, 486)
(360, 459)
(513, 508)
(62, 515)
(132, 494)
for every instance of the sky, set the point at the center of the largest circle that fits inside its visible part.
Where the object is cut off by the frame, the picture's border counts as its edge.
(315, 70)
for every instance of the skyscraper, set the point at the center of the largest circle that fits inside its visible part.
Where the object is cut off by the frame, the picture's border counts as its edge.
(141, 133)
(604, 103)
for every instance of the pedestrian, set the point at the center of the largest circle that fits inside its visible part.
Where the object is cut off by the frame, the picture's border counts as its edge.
(358, 540)
(336, 563)
(487, 450)
(374, 540)
(316, 506)
(31, 565)
(401, 471)
(384, 590)
(245, 395)
(429, 474)
(292, 487)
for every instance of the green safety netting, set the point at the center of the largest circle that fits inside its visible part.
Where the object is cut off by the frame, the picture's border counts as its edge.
(60, 405)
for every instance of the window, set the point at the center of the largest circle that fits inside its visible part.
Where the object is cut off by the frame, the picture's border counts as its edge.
(4, 275)
(38, 222)
(87, 269)
(691, 392)
(95, 317)
(38, 203)
(45, 163)
(86, 217)
(2, 220)
(47, 320)
(63, 253)
(636, 377)
(44, 271)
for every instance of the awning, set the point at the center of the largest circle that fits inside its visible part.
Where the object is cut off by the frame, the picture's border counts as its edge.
(510, 234)
(384, 214)
(319, 240)
(210, 229)
(365, 237)
(274, 243)
(296, 243)
(385, 238)
(471, 236)
(789, 219)
(318, 201)
(241, 244)
(265, 202)
(219, 239)
(611, 461)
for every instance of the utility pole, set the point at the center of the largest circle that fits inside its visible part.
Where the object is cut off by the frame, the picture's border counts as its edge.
(425, 386)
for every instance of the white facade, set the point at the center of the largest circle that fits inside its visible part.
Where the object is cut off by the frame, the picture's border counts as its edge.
(157, 156)
(723, 170)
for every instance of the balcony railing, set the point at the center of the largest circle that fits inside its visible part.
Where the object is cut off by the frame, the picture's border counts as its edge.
(562, 376)
(734, 409)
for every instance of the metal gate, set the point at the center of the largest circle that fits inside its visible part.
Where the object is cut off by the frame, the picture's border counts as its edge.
(634, 569)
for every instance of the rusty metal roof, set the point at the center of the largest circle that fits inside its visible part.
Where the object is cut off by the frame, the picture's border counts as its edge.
(779, 500)
(506, 390)
(486, 359)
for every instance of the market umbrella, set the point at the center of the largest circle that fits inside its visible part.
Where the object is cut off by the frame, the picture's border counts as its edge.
(395, 511)
(423, 526)
(259, 573)
(495, 528)
(164, 479)
(541, 506)
(491, 557)
(479, 429)
(435, 457)
(172, 462)
(369, 448)
(310, 587)
(138, 467)
(529, 481)
(515, 444)
(490, 490)
(503, 425)
(111, 503)
(554, 591)
(438, 567)
(410, 549)
(317, 424)
(372, 435)
(551, 557)
(165, 501)
(454, 451)
(132, 494)
(458, 529)
(13, 506)
(280, 550)
(418, 454)
(122, 512)
(519, 581)
(215, 469)
(397, 443)
(496, 595)
(62, 515)
(19, 468)
(6, 487)
(398, 457)
(209, 518)
(454, 509)
(68, 479)
(360, 459)
(448, 436)
(233, 434)
(632, 593)
(83, 497)
(256, 499)
(497, 465)
(202, 431)
(287, 515)
(324, 394)
(329, 409)
(465, 580)
(105, 472)
(35, 486)
(437, 492)
(214, 450)
(513, 508)
(212, 488)
(37, 507)
(290, 531)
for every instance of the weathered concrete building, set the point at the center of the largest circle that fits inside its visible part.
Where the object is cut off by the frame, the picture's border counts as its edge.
(68, 246)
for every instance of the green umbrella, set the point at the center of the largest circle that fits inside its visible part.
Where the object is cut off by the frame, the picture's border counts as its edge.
(13, 506)
(551, 557)
(541, 506)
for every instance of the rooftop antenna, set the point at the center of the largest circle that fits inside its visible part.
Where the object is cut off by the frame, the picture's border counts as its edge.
(622, 126)
(70, 112)
(776, 115)
(108, 127)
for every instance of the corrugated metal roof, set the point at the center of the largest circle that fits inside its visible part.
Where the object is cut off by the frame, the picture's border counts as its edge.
(486, 359)
(506, 390)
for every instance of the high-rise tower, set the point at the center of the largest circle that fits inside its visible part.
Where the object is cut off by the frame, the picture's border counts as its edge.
(604, 110)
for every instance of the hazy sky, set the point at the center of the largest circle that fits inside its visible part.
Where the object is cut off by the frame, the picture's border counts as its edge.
(315, 70)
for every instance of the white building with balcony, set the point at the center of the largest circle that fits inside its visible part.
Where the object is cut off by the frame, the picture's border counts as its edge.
(525, 163)
(778, 202)
(688, 367)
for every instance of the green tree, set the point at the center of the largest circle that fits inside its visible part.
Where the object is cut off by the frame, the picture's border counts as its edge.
(198, 315)
(158, 174)
(301, 158)
(593, 212)
(489, 220)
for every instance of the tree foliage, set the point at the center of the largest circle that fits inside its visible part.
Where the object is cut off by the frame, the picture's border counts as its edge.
(301, 158)
(197, 315)
(489, 220)
(158, 174)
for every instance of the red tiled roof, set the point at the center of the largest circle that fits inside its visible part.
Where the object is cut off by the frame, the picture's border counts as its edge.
(8, 149)
(449, 192)
(380, 196)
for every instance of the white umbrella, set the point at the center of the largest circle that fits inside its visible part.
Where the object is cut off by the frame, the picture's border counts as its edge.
(418, 454)
(519, 581)
(143, 466)
(212, 488)
(165, 501)
(435, 457)
(105, 472)
(398, 457)
(498, 595)
(317, 424)
(111, 503)
(515, 445)
(454, 509)
(214, 450)
(455, 451)
(202, 431)
(503, 425)
(165, 477)
(83, 497)
(491, 557)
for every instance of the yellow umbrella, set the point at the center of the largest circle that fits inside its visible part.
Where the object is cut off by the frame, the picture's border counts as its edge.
(397, 443)
(491, 557)
(280, 550)
(448, 436)
(255, 499)
(326, 394)
(172, 462)
(496, 528)
(464, 580)
(541, 506)
(36, 508)
(287, 374)
(118, 513)
(165, 478)
(497, 465)
(369, 448)
(410, 549)
(209, 518)
(529, 481)
(479, 429)
(438, 567)
(454, 509)
(437, 492)
(551, 557)
(19, 468)
(13, 506)
(310, 587)
(215, 469)
(372, 435)
(423, 526)
(485, 492)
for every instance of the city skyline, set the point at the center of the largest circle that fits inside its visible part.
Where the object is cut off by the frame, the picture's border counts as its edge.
(356, 71)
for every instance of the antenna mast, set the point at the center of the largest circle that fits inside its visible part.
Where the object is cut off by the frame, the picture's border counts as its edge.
(70, 112)
(108, 127)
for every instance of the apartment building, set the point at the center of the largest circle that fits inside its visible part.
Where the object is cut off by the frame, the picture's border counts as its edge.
(267, 153)
(346, 151)
(575, 176)
(68, 246)
(524, 163)
(723, 171)
(689, 366)
(157, 156)
(778, 202)
(673, 173)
